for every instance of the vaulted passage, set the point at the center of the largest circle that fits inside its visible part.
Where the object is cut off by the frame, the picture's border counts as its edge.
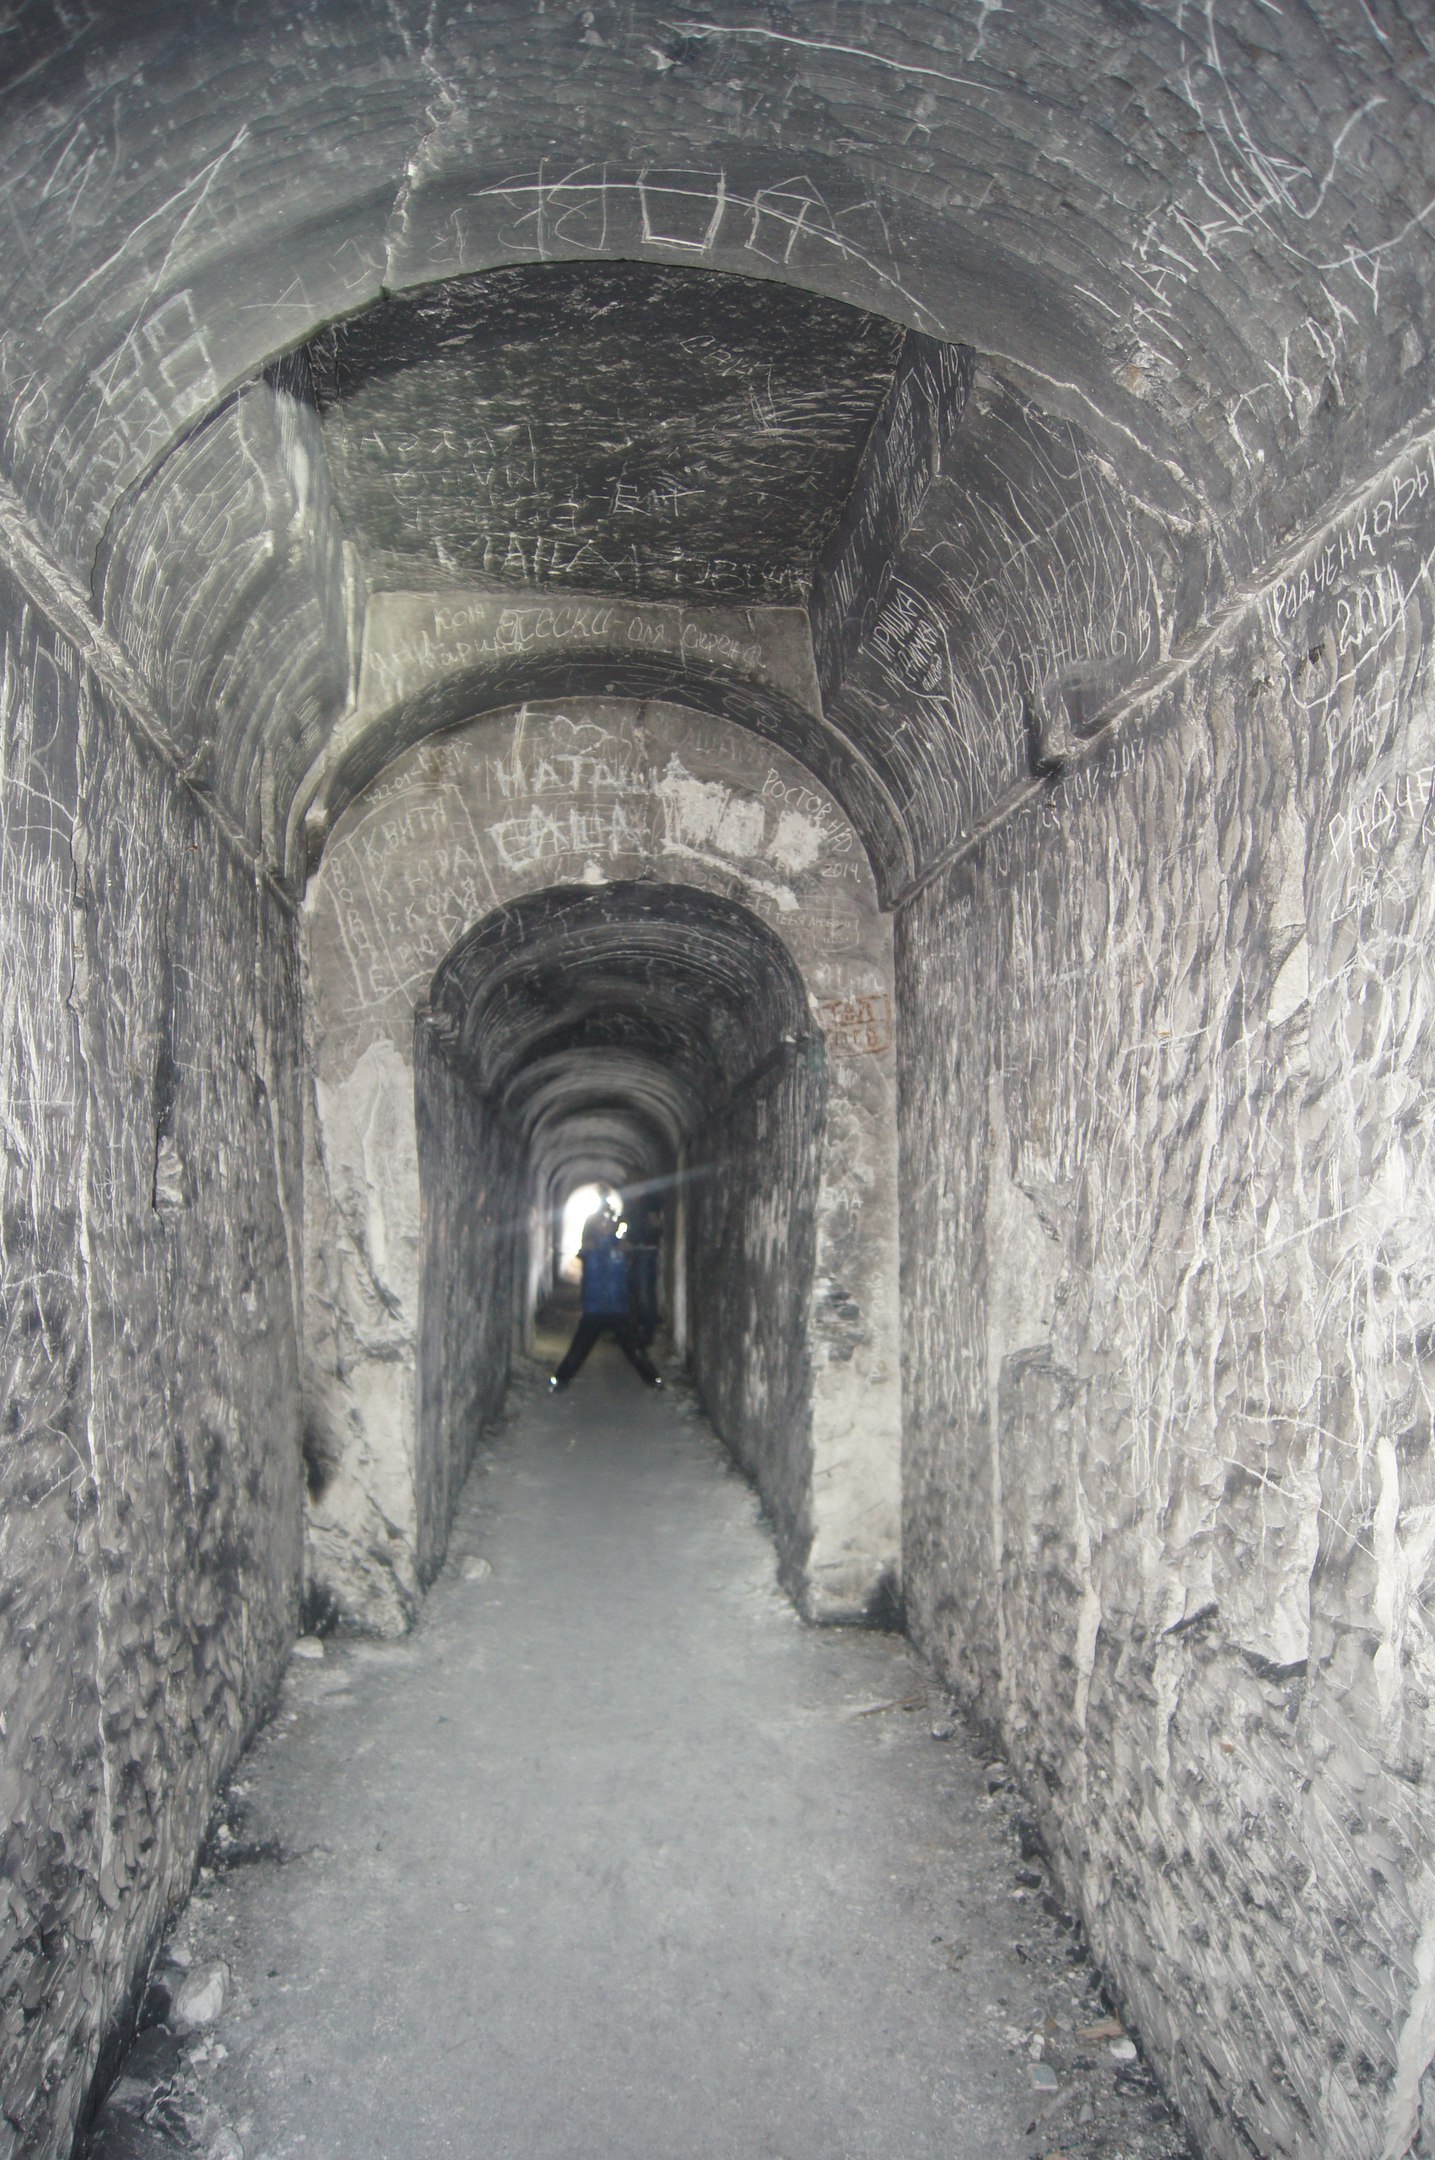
(823, 613)
(652, 1035)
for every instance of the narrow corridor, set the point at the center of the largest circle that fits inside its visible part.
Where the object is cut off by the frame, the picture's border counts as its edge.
(616, 1856)
(823, 617)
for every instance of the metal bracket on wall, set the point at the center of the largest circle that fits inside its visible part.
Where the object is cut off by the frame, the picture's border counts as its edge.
(1068, 717)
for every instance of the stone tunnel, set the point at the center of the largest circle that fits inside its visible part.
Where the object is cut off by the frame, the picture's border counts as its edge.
(827, 608)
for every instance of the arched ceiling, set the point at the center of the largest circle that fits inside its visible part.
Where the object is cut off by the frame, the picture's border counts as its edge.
(620, 996)
(655, 1102)
(1167, 268)
(609, 1022)
(577, 1142)
(603, 428)
(589, 1148)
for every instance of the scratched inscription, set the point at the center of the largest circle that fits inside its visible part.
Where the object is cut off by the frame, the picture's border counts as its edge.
(548, 796)
(859, 1026)
(410, 640)
(695, 213)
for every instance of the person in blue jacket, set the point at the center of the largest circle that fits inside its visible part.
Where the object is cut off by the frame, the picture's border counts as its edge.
(606, 1303)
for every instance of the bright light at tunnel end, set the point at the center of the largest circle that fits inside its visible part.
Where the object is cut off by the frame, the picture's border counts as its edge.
(583, 1201)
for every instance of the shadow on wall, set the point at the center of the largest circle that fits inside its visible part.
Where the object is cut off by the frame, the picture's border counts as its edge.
(752, 1207)
(471, 1197)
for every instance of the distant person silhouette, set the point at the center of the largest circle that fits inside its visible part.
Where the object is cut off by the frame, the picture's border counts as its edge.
(643, 1241)
(607, 1296)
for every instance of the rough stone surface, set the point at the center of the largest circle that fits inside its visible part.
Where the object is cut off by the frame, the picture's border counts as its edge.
(412, 1210)
(952, 658)
(1191, 255)
(753, 1209)
(199, 1998)
(714, 457)
(1165, 1013)
(225, 577)
(1070, 189)
(471, 1167)
(432, 661)
(1166, 1106)
(151, 1461)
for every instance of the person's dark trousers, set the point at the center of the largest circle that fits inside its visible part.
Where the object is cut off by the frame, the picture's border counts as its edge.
(589, 1328)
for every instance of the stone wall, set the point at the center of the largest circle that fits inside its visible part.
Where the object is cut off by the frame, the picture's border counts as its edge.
(237, 617)
(752, 1239)
(149, 1484)
(470, 1177)
(1167, 1065)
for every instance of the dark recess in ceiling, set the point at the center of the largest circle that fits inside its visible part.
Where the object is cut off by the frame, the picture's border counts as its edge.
(613, 428)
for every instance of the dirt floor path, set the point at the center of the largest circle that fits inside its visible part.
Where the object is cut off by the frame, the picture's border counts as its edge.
(616, 1859)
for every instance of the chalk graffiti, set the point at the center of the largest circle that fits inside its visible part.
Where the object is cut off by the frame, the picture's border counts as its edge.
(383, 874)
(540, 834)
(1354, 542)
(706, 814)
(1349, 613)
(603, 209)
(458, 825)
(408, 642)
(1368, 825)
(910, 648)
(1088, 781)
(573, 758)
(695, 638)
